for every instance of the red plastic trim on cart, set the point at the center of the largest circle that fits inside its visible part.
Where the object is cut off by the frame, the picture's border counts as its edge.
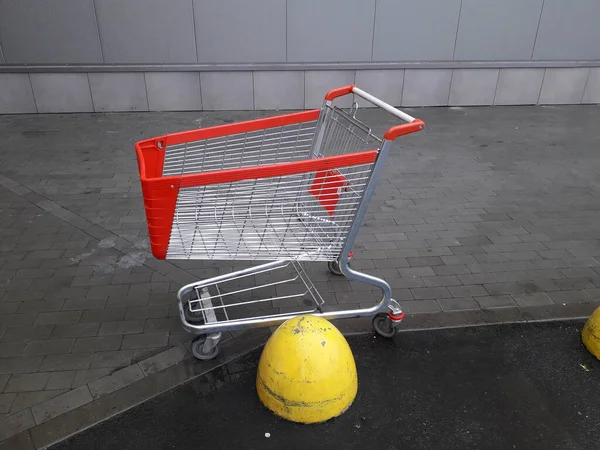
(396, 317)
(241, 127)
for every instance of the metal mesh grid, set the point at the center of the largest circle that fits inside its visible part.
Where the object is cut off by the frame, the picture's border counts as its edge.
(267, 219)
(274, 218)
(344, 134)
(255, 148)
(241, 296)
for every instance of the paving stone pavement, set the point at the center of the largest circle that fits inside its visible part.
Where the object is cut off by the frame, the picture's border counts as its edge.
(488, 208)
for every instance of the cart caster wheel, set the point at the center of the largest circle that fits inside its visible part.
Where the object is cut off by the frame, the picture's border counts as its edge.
(198, 352)
(334, 268)
(384, 326)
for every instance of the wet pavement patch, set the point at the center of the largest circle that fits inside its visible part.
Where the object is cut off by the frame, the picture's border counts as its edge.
(498, 387)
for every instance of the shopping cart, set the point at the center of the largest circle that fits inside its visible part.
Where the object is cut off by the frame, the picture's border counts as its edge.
(286, 189)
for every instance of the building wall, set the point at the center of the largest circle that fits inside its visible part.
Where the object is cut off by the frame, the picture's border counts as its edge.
(138, 55)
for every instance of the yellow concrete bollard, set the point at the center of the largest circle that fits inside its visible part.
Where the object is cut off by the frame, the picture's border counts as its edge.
(591, 333)
(306, 371)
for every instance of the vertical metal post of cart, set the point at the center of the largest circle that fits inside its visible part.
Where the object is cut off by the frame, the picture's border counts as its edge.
(289, 190)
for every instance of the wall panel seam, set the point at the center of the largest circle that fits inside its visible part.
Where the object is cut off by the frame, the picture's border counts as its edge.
(456, 35)
(538, 29)
(98, 30)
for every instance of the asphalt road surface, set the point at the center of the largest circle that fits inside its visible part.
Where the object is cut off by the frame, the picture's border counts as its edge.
(520, 386)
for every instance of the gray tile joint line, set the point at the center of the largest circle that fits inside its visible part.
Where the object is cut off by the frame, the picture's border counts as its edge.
(67, 215)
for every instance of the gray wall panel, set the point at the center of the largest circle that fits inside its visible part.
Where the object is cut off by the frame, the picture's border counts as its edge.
(278, 90)
(473, 87)
(330, 30)
(592, 88)
(519, 86)
(118, 91)
(61, 92)
(227, 90)
(426, 87)
(173, 91)
(1, 56)
(492, 29)
(229, 31)
(147, 31)
(318, 82)
(569, 30)
(415, 31)
(44, 32)
(16, 95)
(384, 84)
(563, 86)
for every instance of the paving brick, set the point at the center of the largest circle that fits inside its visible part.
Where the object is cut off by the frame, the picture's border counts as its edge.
(578, 272)
(61, 380)
(420, 306)
(503, 288)
(144, 353)
(27, 382)
(450, 280)
(163, 360)
(28, 399)
(76, 330)
(112, 359)
(57, 318)
(390, 263)
(116, 381)
(6, 401)
(486, 267)
(49, 347)
(88, 375)
(416, 272)
(568, 297)
(425, 261)
(68, 292)
(538, 285)
(539, 298)
(430, 293)
(104, 315)
(139, 341)
(342, 298)
(27, 333)
(18, 320)
(593, 294)
(95, 280)
(437, 251)
(16, 423)
(147, 312)
(12, 348)
(79, 304)
(22, 364)
(121, 327)
(97, 344)
(574, 283)
(3, 381)
(467, 291)
(41, 306)
(478, 278)
(61, 404)
(495, 301)
(66, 362)
(132, 278)
(107, 291)
(453, 304)
(404, 283)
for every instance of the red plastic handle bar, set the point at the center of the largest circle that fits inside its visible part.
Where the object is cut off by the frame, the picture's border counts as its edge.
(339, 92)
(405, 128)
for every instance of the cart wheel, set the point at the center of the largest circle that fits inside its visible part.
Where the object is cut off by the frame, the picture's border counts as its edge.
(197, 349)
(334, 268)
(384, 326)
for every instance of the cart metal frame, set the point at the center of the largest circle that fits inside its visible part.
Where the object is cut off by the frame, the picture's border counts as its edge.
(288, 189)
